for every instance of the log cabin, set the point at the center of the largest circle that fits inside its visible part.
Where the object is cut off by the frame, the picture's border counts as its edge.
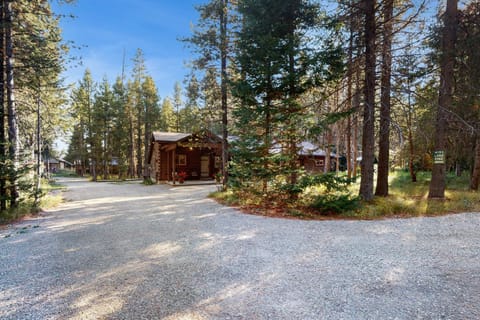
(195, 155)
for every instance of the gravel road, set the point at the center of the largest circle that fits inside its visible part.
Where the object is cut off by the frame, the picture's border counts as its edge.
(129, 251)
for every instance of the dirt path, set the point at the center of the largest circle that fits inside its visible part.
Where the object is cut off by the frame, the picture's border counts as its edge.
(129, 251)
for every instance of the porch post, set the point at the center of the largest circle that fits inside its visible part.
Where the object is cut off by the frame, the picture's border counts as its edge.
(169, 175)
(174, 164)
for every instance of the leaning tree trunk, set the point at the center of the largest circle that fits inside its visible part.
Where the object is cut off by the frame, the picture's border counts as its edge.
(385, 103)
(437, 184)
(368, 138)
(13, 143)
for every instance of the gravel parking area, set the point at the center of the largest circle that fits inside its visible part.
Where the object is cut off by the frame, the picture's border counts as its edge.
(129, 251)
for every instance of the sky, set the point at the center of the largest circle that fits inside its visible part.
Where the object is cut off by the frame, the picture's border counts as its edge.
(105, 29)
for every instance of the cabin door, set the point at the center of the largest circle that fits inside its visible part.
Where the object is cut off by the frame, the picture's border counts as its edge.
(204, 166)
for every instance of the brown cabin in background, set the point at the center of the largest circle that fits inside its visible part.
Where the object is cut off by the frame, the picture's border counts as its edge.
(198, 155)
(313, 159)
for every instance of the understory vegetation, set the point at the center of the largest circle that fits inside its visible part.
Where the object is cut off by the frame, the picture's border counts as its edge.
(50, 197)
(332, 197)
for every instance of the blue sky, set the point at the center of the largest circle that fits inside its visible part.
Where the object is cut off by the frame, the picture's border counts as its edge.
(108, 27)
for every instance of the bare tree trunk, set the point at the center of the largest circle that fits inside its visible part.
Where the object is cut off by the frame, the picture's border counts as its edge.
(475, 178)
(39, 154)
(437, 184)
(223, 84)
(328, 151)
(139, 147)
(385, 103)
(3, 140)
(131, 149)
(337, 147)
(11, 105)
(411, 166)
(356, 106)
(368, 137)
(93, 148)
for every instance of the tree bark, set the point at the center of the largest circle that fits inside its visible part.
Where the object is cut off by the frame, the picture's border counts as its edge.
(223, 85)
(385, 103)
(349, 101)
(3, 140)
(475, 178)
(13, 143)
(368, 137)
(437, 184)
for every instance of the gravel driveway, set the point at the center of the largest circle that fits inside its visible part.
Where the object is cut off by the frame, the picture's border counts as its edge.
(129, 251)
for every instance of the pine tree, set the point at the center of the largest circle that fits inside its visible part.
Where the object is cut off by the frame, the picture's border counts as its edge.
(167, 116)
(191, 120)
(368, 136)
(31, 61)
(276, 66)
(385, 103)
(152, 115)
(135, 94)
(445, 99)
(83, 100)
(212, 41)
(177, 105)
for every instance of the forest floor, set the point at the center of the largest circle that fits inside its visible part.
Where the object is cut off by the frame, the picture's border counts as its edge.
(130, 251)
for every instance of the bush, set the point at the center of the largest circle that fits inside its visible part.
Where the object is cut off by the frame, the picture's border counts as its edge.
(148, 181)
(335, 203)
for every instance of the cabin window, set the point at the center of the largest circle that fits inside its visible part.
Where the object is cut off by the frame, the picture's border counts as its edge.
(182, 160)
(319, 163)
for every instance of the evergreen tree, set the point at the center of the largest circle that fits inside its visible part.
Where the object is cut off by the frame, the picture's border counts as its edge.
(212, 40)
(445, 98)
(191, 120)
(368, 132)
(277, 65)
(177, 105)
(82, 103)
(103, 124)
(136, 96)
(120, 133)
(167, 116)
(152, 114)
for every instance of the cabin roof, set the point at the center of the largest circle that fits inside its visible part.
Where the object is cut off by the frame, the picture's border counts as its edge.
(309, 149)
(169, 136)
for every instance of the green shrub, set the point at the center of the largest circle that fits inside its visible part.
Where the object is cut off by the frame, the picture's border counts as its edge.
(148, 181)
(335, 203)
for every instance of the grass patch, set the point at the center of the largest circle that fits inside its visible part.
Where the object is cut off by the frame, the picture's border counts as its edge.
(65, 173)
(410, 199)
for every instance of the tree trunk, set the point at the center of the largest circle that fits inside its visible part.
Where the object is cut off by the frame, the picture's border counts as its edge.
(475, 178)
(349, 99)
(368, 137)
(411, 166)
(3, 140)
(385, 104)
(356, 106)
(131, 148)
(13, 147)
(223, 84)
(139, 146)
(437, 184)
(328, 151)
(147, 133)
(39, 154)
